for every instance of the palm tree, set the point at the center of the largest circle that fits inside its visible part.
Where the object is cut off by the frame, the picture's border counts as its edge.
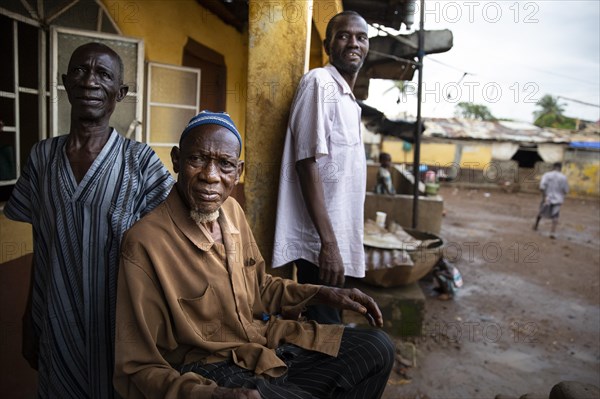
(551, 114)
(549, 105)
(474, 111)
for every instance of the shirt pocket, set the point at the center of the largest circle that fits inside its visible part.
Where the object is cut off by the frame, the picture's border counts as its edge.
(250, 279)
(203, 313)
(345, 137)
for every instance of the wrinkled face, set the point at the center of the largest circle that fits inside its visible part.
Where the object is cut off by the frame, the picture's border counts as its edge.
(93, 82)
(349, 44)
(208, 167)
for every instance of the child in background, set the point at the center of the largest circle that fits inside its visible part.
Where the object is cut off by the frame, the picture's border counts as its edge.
(384, 176)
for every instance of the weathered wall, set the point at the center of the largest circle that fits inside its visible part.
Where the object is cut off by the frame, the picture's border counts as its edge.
(476, 166)
(275, 66)
(583, 177)
(582, 168)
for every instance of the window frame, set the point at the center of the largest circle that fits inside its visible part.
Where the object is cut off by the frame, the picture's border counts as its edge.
(32, 15)
(149, 103)
(14, 94)
(138, 94)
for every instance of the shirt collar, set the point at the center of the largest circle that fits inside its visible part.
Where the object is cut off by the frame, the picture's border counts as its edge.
(335, 74)
(198, 235)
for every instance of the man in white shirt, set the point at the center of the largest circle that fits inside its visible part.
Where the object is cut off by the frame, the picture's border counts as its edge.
(323, 173)
(554, 187)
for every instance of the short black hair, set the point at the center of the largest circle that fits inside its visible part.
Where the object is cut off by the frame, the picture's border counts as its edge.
(384, 156)
(557, 165)
(331, 23)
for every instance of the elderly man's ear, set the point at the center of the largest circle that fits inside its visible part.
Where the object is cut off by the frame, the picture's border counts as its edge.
(175, 158)
(122, 92)
(240, 169)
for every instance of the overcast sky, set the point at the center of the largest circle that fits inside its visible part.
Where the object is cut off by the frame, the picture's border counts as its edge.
(514, 51)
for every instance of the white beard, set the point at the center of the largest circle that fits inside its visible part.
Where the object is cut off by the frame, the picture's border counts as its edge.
(201, 218)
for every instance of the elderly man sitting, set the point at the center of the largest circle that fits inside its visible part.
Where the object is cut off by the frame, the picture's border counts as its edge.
(198, 316)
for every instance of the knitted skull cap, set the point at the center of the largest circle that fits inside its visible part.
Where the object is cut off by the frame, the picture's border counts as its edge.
(211, 118)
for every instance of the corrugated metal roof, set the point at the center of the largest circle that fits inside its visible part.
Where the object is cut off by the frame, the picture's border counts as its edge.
(472, 129)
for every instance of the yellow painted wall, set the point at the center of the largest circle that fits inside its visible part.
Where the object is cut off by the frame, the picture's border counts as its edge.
(322, 12)
(15, 239)
(431, 153)
(437, 153)
(394, 148)
(583, 178)
(165, 26)
(474, 156)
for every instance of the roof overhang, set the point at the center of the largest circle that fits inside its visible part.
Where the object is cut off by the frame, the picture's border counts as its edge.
(390, 13)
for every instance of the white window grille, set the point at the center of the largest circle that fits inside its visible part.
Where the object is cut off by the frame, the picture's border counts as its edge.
(173, 99)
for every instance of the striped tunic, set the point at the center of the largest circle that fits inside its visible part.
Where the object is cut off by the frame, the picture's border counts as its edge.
(77, 228)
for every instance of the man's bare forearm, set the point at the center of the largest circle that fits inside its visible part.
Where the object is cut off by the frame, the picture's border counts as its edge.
(312, 191)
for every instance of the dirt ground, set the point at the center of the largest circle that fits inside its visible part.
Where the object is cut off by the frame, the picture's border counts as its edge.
(528, 315)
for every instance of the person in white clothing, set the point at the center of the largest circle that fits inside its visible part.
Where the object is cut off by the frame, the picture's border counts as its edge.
(554, 187)
(322, 186)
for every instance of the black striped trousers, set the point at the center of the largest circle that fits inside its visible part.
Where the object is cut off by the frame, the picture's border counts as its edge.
(360, 370)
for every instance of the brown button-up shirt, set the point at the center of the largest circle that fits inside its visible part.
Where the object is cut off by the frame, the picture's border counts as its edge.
(184, 298)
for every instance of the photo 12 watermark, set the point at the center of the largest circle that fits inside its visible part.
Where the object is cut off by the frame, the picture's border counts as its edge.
(453, 12)
(471, 92)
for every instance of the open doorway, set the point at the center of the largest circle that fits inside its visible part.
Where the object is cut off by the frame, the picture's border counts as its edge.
(528, 160)
(527, 157)
(213, 71)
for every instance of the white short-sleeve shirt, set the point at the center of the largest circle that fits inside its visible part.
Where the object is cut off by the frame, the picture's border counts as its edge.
(324, 123)
(555, 187)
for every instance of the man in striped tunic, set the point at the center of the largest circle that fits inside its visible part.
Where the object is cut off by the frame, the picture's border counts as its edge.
(81, 192)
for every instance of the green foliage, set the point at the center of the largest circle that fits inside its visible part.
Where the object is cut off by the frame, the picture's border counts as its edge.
(550, 114)
(555, 121)
(474, 111)
(549, 105)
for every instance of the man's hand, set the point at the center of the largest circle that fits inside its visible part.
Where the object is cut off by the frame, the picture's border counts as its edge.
(235, 393)
(331, 265)
(351, 299)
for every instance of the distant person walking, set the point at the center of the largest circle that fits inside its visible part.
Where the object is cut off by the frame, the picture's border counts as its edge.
(554, 187)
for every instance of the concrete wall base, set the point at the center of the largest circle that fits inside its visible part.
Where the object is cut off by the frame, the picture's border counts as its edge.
(403, 308)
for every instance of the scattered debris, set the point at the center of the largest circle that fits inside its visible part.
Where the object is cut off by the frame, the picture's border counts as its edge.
(447, 279)
(406, 358)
